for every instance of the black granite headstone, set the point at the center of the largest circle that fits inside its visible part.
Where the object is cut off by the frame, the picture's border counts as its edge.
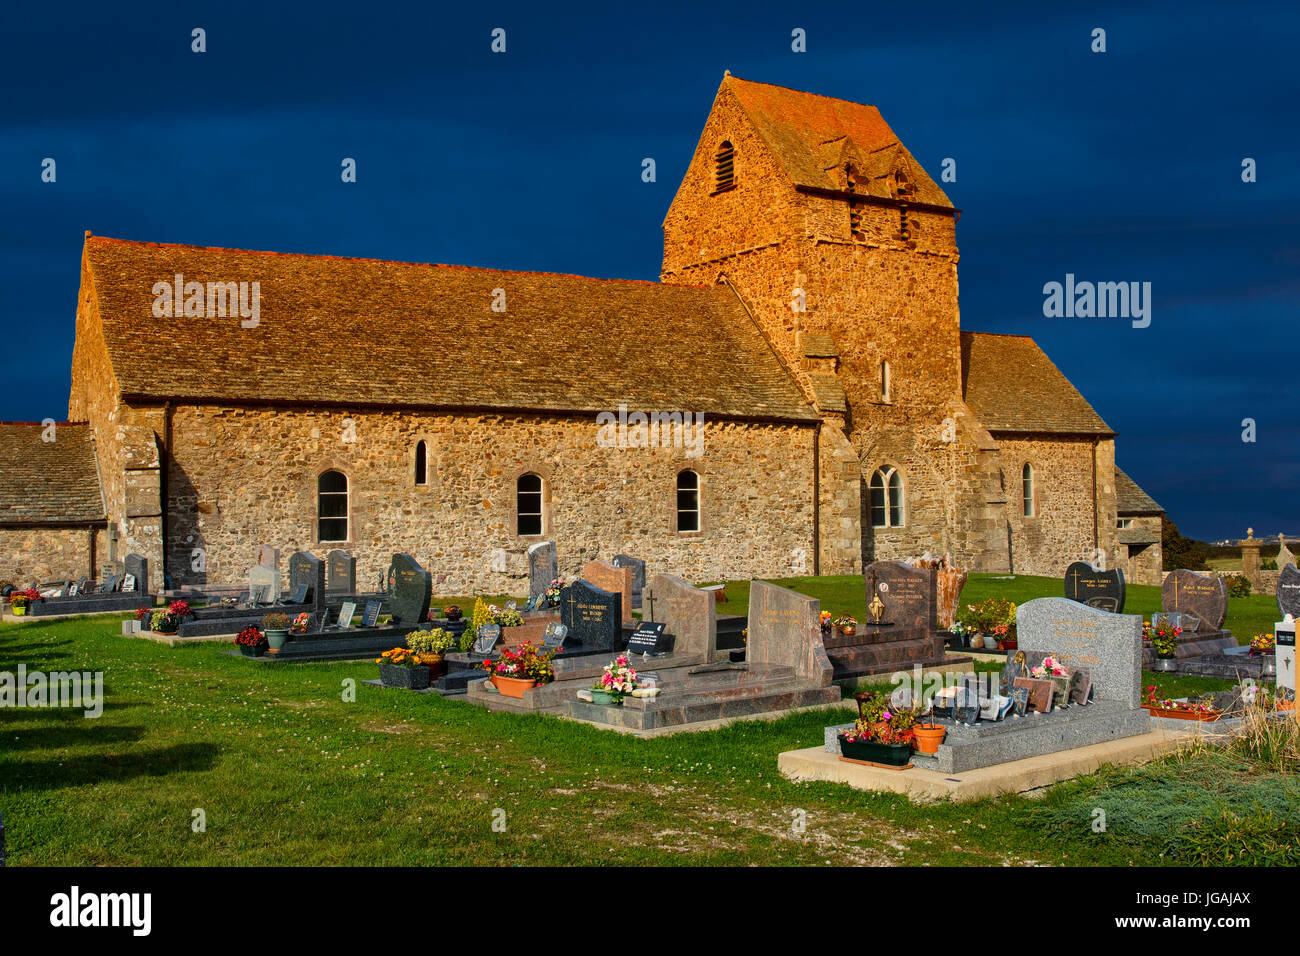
(1103, 590)
(306, 568)
(592, 615)
(340, 572)
(1288, 591)
(638, 575)
(410, 589)
(138, 566)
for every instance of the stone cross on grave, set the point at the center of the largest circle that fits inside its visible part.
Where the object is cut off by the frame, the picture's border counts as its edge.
(648, 603)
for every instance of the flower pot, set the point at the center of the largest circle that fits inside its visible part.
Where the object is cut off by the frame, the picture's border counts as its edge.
(848, 630)
(454, 615)
(410, 678)
(1181, 714)
(928, 737)
(19, 609)
(257, 651)
(603, 697)
(276, 639)
(512, 686)
(1165, 662)
(1008, 645)
(891, 755)
(436, 664)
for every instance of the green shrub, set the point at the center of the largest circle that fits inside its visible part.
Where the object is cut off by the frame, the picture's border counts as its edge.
(1239, 586)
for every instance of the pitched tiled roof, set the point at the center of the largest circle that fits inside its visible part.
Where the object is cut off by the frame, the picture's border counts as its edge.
(813, 136)
(1136, 536)
(1012, 386)
(1132, 500)
(366, 332)
(46, 482)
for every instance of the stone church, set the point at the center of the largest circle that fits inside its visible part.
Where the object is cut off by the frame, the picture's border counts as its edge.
(796, 396)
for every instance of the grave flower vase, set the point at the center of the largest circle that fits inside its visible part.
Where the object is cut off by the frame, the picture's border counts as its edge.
(602, 697)
(19, 609)
(512, 686)
(409, 678)
(1165, 662)
(276, 639)
(890, 755)
(929, 737)
(435, 663)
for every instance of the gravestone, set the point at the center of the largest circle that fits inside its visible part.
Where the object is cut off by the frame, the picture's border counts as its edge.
(265, 579)
(543, 567)
(690, 613)
(638, 576)
(340, 572)
(1088, 585)
(1288, 591)
(1108, 645)
(307, 569)
(269, 557)
(592, 615)
(1200, 595)
(486, 639)
(607, 577)
(409, 589)
(1284, 555)
(785, 631)
(138, 567)
(554, 635)
(907, 592)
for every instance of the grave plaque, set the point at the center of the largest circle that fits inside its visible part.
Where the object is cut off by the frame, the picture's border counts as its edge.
(340, 572)
(488, 635)
(647, 638)
(1019, 700)
(607, 577)
(1039, 693)
(307, 569)
(908, 594)
(1288, 591)
(690, 613)
(83, 585)
(298, 595)
(137, 573)
(554, 636)
(1103, 590)
(112, 583)
(370, 616)
(346, 612)
(409, 589)
(638, 575)
(1196, 595)
(543, 567)
(592, 615)
(128, 584)
(1108, 645)
(263, 580)
(785, 630)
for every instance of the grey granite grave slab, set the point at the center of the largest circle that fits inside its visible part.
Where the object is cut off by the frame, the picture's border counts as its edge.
(1109, 645)
(543, 567)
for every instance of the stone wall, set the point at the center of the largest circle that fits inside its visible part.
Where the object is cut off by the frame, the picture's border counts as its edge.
(237, 478)
(33, 554)
(1146, 566)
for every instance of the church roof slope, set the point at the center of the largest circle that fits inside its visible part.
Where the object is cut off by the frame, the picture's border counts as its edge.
(48, 482)
(1132, 500)
(1012, 386)
(812, 134)
(363, 332)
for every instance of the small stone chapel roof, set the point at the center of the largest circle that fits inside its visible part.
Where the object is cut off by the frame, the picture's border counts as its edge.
(370, 333)
(48, 482)
(1132, 500)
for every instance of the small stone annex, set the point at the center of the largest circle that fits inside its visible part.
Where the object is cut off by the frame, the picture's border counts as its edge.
(796, 396)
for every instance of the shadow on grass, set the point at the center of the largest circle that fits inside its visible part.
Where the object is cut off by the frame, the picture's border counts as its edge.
(84, 733)
(114, 768)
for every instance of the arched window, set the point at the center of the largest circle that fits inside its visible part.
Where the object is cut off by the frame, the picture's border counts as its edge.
(1027, 490)
(688, 501)
(421, 463)
(332, 506)
(886, 498)
(885, 382)
(724, 168)
(528, 504)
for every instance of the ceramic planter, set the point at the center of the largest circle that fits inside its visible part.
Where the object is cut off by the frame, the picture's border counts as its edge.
(890, 755)
(435, 663)
(603, 697)
(511, 686)
(276, 639)
(410, 678)
(929, 737)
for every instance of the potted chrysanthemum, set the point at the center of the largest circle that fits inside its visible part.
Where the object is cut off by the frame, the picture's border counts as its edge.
(19, 601)
(430, 648)
(399, 668)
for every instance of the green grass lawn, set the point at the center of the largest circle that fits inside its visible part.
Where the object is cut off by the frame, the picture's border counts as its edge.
(288, 772)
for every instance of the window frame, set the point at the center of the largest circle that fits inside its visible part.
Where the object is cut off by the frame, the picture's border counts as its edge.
(345, 518)
(1028, 491)
(892, 506)
(678, 510)
(521, 514)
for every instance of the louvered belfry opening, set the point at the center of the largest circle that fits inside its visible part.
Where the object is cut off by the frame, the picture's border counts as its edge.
(725, 168)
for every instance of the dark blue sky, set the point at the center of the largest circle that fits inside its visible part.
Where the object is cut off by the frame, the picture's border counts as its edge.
(1123, 166)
